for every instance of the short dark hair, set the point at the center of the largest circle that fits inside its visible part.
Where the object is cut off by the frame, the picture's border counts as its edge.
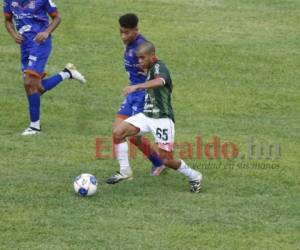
(129, 21)
(147, 46)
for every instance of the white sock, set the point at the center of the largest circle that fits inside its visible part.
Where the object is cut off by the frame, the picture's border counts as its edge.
(188, 172)
(64, 75)
(122, 156)
(36, 124)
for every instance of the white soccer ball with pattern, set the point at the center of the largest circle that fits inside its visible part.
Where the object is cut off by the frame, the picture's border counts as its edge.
(85, 185)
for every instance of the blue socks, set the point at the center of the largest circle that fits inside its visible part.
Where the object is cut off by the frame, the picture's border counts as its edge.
(34, 100)
(34, 106)
(155, 159)
(51, 82)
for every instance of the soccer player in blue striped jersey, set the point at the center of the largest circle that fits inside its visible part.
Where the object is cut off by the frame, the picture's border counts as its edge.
(28, 24)
(133, 103)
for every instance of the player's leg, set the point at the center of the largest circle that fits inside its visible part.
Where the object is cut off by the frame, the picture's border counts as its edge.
(33, 95)
(41, 54)
(69, 72)
(120, 133)
(142, 143)
(164, 132)
(124, 130)
(31, 85)
(34, 88)
(150, 152)
(121, 148)
(133, 105)
(121, 151)
(34, 60)
(179, 165)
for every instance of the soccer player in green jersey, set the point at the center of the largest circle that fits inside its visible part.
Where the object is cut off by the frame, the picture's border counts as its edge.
(157, 117)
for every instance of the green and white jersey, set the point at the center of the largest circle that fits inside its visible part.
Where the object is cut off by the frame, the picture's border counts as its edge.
(158, 100)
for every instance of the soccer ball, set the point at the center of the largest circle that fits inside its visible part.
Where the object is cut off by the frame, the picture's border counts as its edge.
(85, 185)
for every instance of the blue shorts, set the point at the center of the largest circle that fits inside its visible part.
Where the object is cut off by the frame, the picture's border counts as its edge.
(34, 56)
(133, 104)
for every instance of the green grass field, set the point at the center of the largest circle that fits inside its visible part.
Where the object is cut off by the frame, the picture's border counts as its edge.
(235, 67)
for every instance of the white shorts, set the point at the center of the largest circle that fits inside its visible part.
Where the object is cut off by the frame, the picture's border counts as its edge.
(162, 129)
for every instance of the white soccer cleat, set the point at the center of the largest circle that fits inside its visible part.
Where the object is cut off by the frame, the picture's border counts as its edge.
(118, 177)
(74, 73)
(195, 185)
(31, 131)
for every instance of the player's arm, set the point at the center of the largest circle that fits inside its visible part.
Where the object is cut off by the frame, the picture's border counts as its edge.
(155, 83)
(56, 19)
(9, 25)
(158, 82)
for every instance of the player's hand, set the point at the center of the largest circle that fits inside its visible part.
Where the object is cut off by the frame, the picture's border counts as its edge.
(18, 38)
(41, 37)
(129, 89)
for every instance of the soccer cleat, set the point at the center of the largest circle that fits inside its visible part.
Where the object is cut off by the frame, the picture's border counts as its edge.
(195, 185)
(118, 177)
(156, 171)
(31, 131)
(74, 73)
